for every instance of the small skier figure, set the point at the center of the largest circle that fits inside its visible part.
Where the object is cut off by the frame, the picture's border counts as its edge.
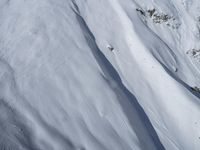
(110, 47)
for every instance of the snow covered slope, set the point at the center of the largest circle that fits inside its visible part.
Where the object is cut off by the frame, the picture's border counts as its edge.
(99, 75)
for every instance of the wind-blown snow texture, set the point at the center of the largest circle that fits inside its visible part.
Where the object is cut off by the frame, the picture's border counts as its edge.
(99, 74)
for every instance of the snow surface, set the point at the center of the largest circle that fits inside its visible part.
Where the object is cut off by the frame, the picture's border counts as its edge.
(99, 74)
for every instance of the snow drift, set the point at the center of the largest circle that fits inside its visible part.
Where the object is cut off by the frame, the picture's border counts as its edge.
(99, 75)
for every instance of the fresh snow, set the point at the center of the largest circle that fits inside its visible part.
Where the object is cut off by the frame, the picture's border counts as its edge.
(99, 75)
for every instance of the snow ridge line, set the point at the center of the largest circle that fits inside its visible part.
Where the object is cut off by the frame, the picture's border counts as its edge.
(146, 134)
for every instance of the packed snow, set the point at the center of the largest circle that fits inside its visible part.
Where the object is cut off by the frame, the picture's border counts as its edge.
(99, 74)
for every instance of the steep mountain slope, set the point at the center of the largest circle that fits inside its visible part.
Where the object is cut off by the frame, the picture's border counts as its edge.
(99, 75)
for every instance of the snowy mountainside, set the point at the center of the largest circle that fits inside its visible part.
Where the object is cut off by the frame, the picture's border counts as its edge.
(99, 75)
